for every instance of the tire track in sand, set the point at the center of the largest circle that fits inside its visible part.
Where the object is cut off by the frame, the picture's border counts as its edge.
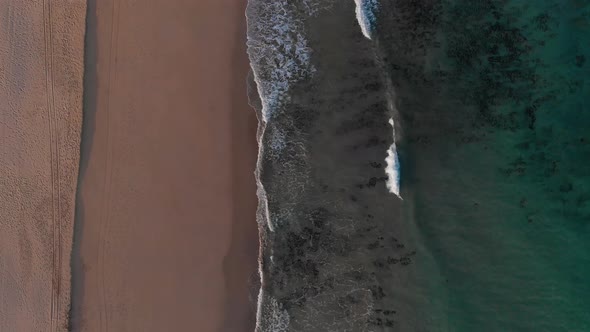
(108, 175)
(54, 160)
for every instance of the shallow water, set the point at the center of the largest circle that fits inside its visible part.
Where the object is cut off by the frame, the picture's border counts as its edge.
(489, 101)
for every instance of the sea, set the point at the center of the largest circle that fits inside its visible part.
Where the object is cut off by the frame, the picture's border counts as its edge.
(423, 165)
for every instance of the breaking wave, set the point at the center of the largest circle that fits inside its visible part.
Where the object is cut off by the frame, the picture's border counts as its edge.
(278, 50)
(365, 15)
(392, 169)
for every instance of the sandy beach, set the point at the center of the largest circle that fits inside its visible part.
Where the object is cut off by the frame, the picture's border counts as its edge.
(41, 70)
(165, 235)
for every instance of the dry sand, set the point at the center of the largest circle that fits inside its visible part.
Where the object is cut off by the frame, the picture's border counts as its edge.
(166, 200)
(41, 69)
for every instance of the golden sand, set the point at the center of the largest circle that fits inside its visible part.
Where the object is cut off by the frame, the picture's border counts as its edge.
(41, 70)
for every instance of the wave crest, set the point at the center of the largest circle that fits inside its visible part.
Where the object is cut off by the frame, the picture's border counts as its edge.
(365, 15)
(278, 50)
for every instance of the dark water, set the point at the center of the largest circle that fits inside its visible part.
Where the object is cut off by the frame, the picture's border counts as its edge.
(490, 105)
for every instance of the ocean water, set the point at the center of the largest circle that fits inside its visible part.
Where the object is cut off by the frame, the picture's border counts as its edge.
(472, 214)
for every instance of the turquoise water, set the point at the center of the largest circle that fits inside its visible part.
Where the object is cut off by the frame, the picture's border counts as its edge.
(493, 101)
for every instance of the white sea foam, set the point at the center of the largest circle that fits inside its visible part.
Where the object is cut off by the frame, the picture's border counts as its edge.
(313, 7)
(278, 141)
(275, 318)
(278, 50)
(393, 168)
(365, 15)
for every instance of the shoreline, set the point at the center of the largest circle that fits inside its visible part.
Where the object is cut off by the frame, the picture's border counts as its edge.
(241, 262)
(88, 127)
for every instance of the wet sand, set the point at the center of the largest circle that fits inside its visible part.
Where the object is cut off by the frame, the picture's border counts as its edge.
(41, 70)
(165, 234)
(241, 262)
